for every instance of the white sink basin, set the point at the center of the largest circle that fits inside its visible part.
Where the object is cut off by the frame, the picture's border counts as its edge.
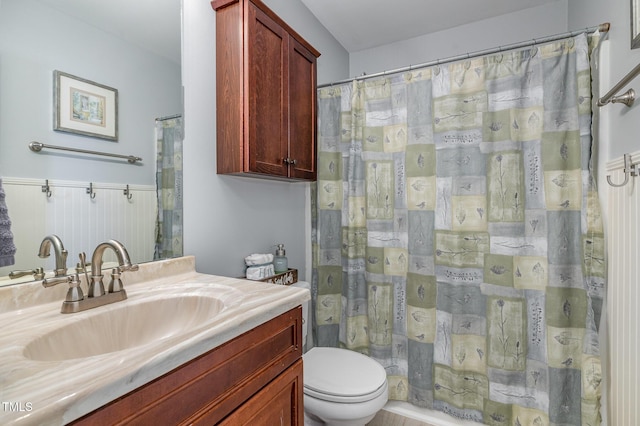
(125, 326)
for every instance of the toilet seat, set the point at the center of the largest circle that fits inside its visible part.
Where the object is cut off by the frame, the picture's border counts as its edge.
(343, 376)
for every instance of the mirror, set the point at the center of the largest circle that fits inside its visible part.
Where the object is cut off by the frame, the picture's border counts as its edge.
(131, 47)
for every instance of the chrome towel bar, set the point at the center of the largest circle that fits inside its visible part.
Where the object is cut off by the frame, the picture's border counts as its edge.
(38, 146)
(627, 97)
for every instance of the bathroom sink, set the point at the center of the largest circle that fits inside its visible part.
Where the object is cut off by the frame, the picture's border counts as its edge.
(126, 326)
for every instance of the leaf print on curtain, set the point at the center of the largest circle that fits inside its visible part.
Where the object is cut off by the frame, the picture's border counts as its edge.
(457, 234)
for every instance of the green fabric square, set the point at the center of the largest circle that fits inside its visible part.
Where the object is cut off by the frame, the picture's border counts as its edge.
(461, 249)
(354, 242)
(329, 279)
(496, 126)
(460, 388)
(420, 160)
(498, 269)
(594, 255)
(375, 260)
(346, 126)
(380, 189)
(373, 139)
(458, 111)
(505, 187)
(380, 311)
(329, 166)
(497, 414)
(421, 290)
(507, 333)
(566, 307)
(561, 150)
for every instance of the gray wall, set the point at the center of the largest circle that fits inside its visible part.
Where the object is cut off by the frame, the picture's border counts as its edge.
(333, 63)
(228, 218)
(35, 40)
(619, 132)
(545, 20)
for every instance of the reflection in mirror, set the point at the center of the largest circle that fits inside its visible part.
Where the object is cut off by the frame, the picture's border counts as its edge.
(135, 50)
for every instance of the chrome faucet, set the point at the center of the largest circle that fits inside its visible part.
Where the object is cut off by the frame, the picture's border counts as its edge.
(59, 251)
(75, 300)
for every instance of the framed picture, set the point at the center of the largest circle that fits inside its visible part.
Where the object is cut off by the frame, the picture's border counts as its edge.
(84, 107)
(635, 24)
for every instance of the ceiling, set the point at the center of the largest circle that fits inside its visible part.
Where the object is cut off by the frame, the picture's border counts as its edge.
(356, 24)
(362, 24)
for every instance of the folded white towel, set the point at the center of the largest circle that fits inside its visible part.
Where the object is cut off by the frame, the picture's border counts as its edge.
(260, 272)
(258, 259)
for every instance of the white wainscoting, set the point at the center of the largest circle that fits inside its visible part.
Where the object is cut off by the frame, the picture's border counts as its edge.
(623, 233)
(80, 221)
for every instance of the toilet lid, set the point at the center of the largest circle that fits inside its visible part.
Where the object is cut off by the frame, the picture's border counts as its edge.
(336, 374)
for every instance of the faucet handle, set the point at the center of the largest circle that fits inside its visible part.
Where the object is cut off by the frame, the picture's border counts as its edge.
(74, 294)
(50, 282)
(37, 273)
(83, 265)
(115, 284)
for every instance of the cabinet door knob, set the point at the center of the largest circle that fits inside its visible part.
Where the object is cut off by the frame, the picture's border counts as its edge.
(289, 161)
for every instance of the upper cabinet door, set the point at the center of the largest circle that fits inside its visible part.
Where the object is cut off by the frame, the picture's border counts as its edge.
(302, 112)
(266, 94)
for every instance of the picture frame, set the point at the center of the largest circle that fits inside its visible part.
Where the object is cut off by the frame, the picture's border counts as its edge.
(84, 107)
(635, 24)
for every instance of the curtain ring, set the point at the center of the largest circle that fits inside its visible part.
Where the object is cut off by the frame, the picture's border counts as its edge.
(408, 75)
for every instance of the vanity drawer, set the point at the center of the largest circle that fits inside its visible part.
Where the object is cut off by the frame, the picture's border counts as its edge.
(279, 403)
(212, 386)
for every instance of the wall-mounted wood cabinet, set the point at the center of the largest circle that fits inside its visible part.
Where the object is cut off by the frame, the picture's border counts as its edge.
(266, 94)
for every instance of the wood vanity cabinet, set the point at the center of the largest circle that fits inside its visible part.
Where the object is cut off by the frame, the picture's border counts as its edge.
(254, 379)
(266, 94)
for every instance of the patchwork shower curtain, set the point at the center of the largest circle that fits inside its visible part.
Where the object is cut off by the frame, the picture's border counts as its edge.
(169, 226)
(458, 236)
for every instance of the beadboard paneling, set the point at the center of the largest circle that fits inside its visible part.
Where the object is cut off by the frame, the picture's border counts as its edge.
(623, 230)
(80, 221)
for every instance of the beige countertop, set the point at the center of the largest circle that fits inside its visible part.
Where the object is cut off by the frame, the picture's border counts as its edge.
(54, 392)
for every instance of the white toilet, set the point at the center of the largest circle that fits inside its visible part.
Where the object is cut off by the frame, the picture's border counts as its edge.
(341, 387)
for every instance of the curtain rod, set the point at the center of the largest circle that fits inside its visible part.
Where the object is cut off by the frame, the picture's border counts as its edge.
(603, 28)
(168, 117)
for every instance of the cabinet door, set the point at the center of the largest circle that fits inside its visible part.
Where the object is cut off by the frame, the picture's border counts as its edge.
(302, 111)
(213, 386)
(279, 403)
(267, 108)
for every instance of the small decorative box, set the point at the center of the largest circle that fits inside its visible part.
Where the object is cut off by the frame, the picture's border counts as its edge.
(284, 278)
